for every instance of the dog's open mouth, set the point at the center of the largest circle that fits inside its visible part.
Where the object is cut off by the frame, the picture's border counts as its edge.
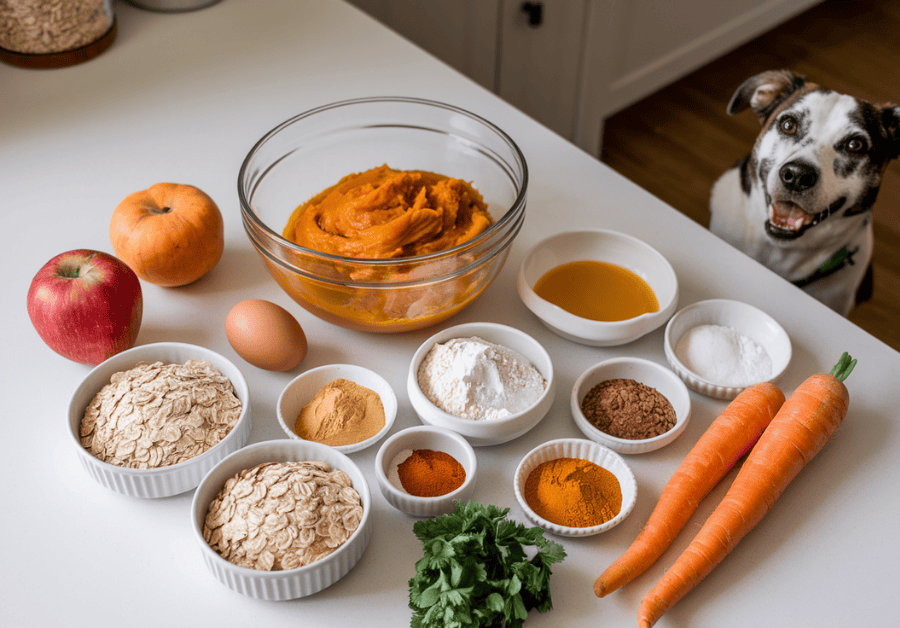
(787, 220)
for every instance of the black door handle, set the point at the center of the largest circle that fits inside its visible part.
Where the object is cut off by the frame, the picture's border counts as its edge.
(534, 11)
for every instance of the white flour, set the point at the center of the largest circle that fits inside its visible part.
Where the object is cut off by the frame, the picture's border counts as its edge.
(479, 380)
(724, 356)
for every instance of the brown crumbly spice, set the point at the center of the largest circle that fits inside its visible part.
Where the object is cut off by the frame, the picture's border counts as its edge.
(628, 409)
(156, 415)
(283, 515)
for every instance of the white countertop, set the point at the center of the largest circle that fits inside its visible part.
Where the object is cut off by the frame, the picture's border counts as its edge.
(183, 97)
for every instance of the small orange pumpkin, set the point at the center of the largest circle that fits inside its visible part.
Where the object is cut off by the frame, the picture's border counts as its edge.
(169, 234)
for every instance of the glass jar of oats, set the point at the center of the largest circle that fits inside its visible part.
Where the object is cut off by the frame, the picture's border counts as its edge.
(54, 33)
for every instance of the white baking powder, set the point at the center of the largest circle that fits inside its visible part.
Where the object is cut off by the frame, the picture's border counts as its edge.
(724, 356)
(479, 380)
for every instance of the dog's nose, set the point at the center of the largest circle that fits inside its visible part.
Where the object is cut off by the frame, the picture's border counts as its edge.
(798, 176)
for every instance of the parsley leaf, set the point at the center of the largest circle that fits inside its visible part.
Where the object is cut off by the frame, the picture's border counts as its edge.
(475, 572)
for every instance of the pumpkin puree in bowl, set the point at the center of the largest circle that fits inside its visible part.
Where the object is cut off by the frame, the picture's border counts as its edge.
(385, 213)
(382, 221)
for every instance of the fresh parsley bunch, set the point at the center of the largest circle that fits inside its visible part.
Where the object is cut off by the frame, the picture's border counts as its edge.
(475, 572)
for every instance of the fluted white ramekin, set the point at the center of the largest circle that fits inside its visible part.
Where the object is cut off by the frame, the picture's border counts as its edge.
(586, 450)
(286, 584)
(173, 479)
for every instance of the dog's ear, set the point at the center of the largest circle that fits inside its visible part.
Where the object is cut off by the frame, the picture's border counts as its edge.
(764, 92)
(890, 119)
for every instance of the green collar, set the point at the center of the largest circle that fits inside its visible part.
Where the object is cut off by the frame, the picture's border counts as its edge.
(838, 259)
(834, 264)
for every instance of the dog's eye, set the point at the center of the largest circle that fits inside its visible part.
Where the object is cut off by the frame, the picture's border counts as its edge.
(788, 125)
(855, 145)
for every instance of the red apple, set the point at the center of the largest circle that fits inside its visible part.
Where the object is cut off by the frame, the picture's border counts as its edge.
(86, 305)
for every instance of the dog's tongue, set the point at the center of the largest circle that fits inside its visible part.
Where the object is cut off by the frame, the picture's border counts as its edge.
(787, 215)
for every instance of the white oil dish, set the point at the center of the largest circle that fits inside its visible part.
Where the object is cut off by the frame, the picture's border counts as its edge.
(598, 245)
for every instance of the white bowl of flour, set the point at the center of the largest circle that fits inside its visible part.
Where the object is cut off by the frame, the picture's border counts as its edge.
(488, 382)
(720, 347)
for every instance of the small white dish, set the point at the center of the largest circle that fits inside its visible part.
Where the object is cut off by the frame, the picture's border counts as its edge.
(301, 390)
(646, 372)
(161, 481)
(585, 450)
(286, 584)
(603, 246)
(435, 439)
(743, 318)
(485, 432)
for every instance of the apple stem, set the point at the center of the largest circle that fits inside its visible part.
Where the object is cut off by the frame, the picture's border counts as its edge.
(163, 210)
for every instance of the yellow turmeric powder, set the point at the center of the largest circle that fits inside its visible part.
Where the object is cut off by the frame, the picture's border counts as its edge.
(573, 492)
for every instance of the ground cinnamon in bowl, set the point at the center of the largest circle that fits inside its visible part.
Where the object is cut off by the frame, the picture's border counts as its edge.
(427, 473)
(341, 413)
(625, 408)
(573, 492)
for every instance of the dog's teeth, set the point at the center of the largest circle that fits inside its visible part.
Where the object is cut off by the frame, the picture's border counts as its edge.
(788, 216)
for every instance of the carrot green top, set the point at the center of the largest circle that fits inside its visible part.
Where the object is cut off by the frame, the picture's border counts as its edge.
(844, 366)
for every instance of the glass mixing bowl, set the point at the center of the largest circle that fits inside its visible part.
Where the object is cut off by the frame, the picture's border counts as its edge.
(311, 152)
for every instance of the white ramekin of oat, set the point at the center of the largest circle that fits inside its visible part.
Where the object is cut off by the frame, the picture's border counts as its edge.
(282, 584)
(157, 481)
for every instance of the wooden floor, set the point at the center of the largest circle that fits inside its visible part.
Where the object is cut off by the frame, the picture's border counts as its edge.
(678, 141)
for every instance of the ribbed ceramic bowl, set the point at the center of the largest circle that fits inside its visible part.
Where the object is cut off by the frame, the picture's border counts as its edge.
(485, 432)
(603, 246)
(312, 151)
(301, 390)
(435, 439)
(586, 450)
(743, 318)
(163, 481)
(645, 372)
(290, 583)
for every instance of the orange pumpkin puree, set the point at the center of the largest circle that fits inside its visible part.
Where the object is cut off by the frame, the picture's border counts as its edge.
(385, 213)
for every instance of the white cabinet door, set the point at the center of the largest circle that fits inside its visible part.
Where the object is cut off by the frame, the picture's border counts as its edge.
(539, 65)
(587, 58)
(635, 47)
(533, 67)
(461, 33)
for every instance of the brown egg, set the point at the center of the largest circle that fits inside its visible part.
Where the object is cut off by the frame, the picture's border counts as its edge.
(266, 335)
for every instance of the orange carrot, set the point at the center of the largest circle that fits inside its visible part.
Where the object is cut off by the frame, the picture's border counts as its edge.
(797, 433)
(726, 440)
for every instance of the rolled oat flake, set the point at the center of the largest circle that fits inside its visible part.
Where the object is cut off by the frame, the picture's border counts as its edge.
(283, 515)
(625, 408)
(155, 414)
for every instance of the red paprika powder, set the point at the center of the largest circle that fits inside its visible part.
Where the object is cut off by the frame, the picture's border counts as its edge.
(428, 473)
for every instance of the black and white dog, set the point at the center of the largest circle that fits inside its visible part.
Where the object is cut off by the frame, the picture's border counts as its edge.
(801, 202)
